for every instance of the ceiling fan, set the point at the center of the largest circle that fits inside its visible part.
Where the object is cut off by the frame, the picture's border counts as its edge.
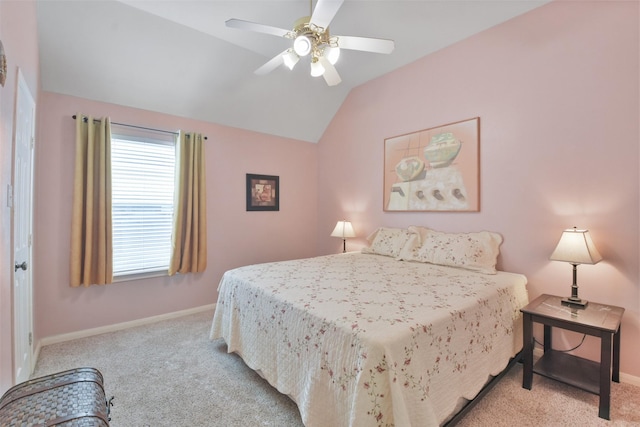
(310, 35)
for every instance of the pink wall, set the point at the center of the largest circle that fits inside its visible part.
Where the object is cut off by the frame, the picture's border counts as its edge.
(556, 91)
(235, 237)
(19, 38)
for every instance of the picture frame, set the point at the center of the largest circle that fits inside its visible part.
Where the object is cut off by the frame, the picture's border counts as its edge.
(434, 170)
(263, 192)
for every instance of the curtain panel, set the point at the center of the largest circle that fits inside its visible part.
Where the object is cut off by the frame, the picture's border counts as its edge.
(91, 227)
(189, 242)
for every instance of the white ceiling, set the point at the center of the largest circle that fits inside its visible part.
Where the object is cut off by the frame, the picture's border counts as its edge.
(178, 57)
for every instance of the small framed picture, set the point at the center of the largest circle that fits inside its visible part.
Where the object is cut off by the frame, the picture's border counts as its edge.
(263, 192)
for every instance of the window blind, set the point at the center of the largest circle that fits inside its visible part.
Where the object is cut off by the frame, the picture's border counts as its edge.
(142, 202)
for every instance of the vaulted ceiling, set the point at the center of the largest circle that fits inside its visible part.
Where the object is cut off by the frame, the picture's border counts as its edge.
(178, 57)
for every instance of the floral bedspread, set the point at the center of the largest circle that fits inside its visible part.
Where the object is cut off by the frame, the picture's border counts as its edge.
(365, 340)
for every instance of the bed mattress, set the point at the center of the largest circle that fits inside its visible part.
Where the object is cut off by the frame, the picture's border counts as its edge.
(365, 340)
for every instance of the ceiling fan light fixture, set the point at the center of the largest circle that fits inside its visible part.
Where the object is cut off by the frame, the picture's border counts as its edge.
(290, 59)
(310, 36)
(302, 45)
(316, 68)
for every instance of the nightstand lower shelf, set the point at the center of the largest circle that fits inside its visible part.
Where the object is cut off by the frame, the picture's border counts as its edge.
(572, 370)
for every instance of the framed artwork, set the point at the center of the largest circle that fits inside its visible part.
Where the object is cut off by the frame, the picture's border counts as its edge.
(263, 193)
(436, 169)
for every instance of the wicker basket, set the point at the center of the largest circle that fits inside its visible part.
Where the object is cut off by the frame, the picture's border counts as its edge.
(73, 398)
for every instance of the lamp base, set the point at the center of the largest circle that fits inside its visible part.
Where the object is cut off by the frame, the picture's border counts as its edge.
(575, 302)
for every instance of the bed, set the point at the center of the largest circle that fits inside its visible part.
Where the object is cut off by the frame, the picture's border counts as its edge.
(382, 337)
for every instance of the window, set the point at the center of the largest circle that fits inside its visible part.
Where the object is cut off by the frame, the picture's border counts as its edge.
(142, 167)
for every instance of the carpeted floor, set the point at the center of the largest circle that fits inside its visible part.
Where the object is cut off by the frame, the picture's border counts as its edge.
(170, 374)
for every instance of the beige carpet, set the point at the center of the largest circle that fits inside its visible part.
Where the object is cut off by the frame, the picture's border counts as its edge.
(170, 374)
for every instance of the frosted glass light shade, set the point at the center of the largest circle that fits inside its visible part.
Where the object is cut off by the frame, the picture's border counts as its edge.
(332, 54)
(316, 68)
(290, 59)
(302, 45)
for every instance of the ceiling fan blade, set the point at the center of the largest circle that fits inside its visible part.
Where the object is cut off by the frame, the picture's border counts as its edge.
(259, 28)
(271, 65)
(366, 44)
(324, 12)
(330, 75)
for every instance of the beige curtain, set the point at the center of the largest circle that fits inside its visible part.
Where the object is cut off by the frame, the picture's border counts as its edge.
(91, 246)
(189, 252)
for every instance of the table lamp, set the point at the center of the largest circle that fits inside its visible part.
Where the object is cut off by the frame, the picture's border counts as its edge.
(343, 230)
(575, 247)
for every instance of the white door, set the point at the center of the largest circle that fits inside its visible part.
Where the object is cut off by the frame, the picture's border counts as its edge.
(24, 127)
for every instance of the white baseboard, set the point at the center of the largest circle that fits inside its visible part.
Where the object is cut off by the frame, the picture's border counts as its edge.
(537, 352)
(629, 379)
(624, 378)
(117, 327)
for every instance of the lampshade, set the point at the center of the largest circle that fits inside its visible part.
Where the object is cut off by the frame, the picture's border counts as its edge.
(576, 246)
(343, 230)
(302, 45)
(290, 58)
(316, 68)
(332, 54)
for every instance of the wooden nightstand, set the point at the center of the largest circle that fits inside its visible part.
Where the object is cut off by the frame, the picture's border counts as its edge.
(596, 319)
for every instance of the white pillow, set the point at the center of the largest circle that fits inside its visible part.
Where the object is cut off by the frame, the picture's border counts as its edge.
(410, 249)
(472, 251)
(387, 241)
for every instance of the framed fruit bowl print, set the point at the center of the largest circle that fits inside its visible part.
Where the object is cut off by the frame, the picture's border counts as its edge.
(263, 192)
(436, 169)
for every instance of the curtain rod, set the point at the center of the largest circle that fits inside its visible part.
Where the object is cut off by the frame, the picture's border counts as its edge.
(134, 126)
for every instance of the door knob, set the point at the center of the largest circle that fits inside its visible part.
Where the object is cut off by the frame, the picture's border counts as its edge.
(22, 266)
